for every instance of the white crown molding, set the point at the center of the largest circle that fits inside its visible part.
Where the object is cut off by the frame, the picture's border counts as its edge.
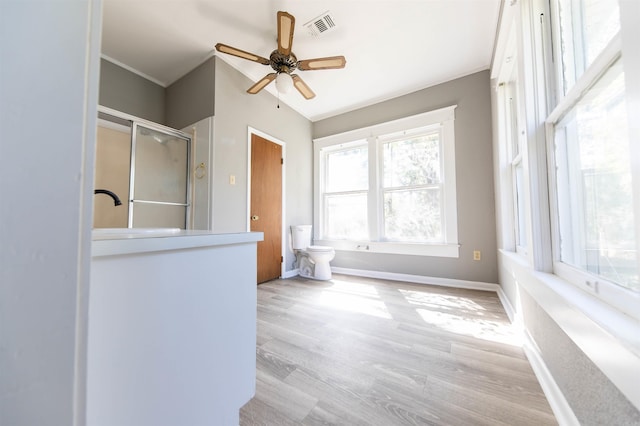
(133, 70)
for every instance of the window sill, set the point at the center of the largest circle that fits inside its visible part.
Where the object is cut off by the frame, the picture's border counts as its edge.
(607, 336)
(413, 249)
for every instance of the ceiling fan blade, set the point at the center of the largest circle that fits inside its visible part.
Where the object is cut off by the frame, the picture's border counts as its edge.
(262, 83)
(302, 87)
(286, 25)
(331, 62)
(241, 54)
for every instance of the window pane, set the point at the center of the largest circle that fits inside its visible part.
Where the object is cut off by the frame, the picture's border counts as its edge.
(586, 28)
(346, 217)
(413, 215)
(594, 178)
(412, 162)
(347, 170)
(512, 111)
(521, 230)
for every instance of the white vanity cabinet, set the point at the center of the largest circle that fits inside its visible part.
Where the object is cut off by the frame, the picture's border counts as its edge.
(172, 328)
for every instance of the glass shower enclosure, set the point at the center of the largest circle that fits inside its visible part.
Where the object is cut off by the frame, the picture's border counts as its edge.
(146, 164)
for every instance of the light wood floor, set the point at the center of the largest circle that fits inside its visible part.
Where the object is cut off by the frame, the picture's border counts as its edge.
(358, 351)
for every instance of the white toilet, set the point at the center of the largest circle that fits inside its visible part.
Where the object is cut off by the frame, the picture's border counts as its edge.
(313, 261)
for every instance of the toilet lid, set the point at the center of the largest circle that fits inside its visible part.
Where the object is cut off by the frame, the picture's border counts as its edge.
(319, 248)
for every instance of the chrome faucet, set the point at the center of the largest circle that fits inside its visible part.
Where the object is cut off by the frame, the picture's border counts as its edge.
(116, 200)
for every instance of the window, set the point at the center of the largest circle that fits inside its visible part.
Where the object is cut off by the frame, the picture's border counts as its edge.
(389, 188)
(513, 122)
(412, 186)
(345, 197)
(512, 152)
(591, 182)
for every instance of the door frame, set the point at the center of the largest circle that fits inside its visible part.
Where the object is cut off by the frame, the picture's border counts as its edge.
(254, 131)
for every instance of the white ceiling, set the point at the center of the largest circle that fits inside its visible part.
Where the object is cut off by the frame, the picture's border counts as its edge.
(392, 47)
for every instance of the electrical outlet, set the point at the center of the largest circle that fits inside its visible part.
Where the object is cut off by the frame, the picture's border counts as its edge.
(477, 255)
(232, 179)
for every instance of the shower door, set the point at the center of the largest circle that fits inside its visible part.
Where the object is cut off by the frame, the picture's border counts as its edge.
(159, 186)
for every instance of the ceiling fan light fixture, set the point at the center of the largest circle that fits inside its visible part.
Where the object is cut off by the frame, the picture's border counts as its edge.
(284, 62)
(284, 83)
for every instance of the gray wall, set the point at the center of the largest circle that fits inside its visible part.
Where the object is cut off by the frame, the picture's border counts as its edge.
(235, 110)
(474, 175)
(191, 98)
(127, 92)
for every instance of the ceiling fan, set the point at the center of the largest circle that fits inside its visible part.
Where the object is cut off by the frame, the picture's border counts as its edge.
(284, 62)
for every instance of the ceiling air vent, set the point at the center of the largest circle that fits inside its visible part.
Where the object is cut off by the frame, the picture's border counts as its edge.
(321, 24)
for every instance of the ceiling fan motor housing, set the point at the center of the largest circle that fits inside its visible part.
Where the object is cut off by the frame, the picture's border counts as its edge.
(283, 63)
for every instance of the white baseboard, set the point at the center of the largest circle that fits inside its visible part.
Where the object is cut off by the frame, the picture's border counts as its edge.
(511, 313)
(559, 405)
(290, 274)
(418, 279)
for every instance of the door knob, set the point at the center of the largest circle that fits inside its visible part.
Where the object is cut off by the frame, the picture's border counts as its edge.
(254, 217)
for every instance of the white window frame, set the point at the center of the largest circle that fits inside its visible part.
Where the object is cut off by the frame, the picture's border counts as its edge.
(515, 139)
(620, 298)
(444, 118)
(324, 171)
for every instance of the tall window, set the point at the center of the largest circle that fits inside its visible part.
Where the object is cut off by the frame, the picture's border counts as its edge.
(389, 188)
(346, 184)
(514, 135)
(596, 244)
(412, 186)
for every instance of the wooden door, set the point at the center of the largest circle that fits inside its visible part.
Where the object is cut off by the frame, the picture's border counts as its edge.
(266, 205)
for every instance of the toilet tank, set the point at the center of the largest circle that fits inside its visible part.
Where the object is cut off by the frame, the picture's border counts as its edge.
(300, 237)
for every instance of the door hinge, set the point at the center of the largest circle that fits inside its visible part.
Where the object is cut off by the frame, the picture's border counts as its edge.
(282, 161)
(281, 259)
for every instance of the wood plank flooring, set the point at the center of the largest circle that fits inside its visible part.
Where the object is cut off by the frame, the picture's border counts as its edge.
(359, 351)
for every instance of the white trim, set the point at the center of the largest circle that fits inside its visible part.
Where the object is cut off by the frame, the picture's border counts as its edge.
(417, 279)
(415, 249)
(443, 119)
(406, 123)
(290, 274)
(597, 69)
(133, 70)
(598, 329)
(559, 405)
(506, 304)
(283, 233)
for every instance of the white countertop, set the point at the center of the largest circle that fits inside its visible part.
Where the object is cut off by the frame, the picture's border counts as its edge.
(111, 242)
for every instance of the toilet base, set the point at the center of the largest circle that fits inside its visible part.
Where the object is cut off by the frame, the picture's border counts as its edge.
(314, 271)
(322, 272)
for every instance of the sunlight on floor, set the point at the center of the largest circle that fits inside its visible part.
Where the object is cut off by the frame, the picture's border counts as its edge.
(440, 301)
(356, 298)
(364, 299)
(476, 327)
